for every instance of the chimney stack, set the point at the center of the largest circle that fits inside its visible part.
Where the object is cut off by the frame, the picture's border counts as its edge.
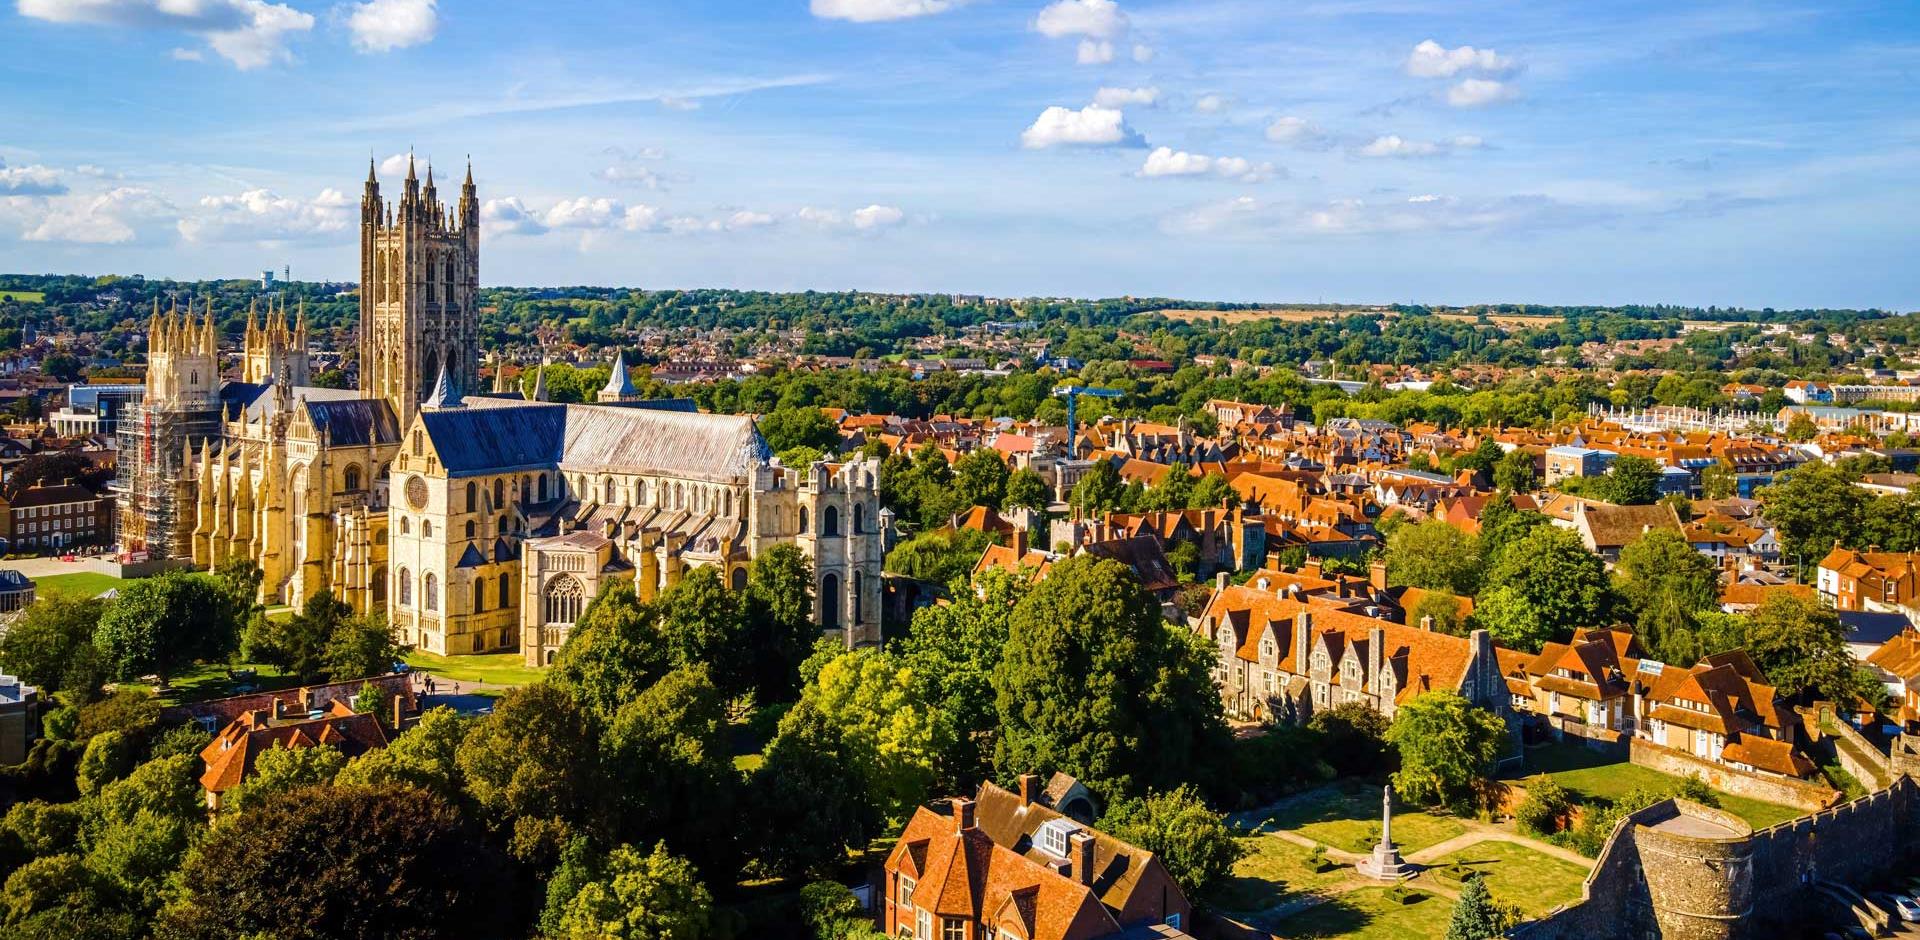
(962, 814)
(1377, 575)
(1029, 789)
(1302, 629)
(1081, 849)
(399, 710)
(1019, 543)
(1426, 623)
(1220, 581)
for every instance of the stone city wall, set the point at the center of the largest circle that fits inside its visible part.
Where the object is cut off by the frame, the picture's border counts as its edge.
(1782, 790)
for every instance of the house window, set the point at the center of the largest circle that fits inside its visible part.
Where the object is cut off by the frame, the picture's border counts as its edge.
(953, 928)
(922, 924)
(906, 889)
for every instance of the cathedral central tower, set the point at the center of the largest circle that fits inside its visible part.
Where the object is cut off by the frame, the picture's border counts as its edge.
(419, 292)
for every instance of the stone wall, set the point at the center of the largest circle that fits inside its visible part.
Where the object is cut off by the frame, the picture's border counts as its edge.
(1782, 790)
(1724, 882)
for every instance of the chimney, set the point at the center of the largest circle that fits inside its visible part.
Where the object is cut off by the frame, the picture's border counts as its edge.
(1302, 628)
(962, 814)
(399, 710)
(1081, 850)
(1029, 789)
(1019, 543)
(1426, 623)
(1220, 581)
(1376, 652)
(1377, 575)
(279, 708)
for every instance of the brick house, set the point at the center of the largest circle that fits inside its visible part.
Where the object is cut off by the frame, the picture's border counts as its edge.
(230, 756)
(53, 516)
(1006, 866)
(1869, 580)
(1720, 710)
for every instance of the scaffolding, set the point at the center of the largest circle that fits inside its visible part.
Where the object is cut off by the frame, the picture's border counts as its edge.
(155, 483)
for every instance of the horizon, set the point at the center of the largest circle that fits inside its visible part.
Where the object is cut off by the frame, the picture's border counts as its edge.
(1751, 155)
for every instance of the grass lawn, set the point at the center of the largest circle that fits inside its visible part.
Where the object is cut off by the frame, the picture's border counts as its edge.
(491, 668)
(1519, 875)
(1368, 914)
(1272, 871)
(24, 296)
(81, 583)
(204, 681)
(1350, 819)
(1589, 775)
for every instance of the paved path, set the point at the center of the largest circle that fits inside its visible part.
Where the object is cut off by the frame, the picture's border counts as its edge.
(463, 697)
(43, 567)
(1478, 832)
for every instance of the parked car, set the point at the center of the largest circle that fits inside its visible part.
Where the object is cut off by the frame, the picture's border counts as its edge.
(1905, 907)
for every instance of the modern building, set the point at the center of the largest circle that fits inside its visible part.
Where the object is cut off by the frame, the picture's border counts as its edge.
(19, 719)
(95, 409)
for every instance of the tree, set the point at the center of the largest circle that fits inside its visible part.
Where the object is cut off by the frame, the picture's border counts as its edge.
(1514, 472)
(336, 863)
(1501, 525)
(1814, 507)
(1718, 480)
(1800, 427)
(1544, 586)
(980, 478)
(1028, 489)
(672, 777)
(1100, 489)
(1440, 610)
(280, 769)
(426, 756)
(1446, 746)
(812, 798)
(613, 652)
(1094, 683)
(1352, 736)
(953, 650)
(1667, 584)
(703, 622)
(1632, 481)
(50, 646)
(362, 647)
(1212, 492)
(297, 644)
(1477, 916)
(158, 625)
(831, 912)
(780, 627)
(1191, 840)
(891, 734)
(1801, 647)
(1435, 556)
(533, 767)
(787, 428)
(641, 897)
(938, 556)
(109, 756)
(58, 897)
(1545, 808)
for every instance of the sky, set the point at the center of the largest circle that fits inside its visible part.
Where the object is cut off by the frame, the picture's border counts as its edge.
(1750, 153)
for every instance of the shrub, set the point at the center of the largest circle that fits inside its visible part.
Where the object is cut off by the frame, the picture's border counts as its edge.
(1545, 810)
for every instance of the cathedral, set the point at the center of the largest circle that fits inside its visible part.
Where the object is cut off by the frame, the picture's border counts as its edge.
(478, 523)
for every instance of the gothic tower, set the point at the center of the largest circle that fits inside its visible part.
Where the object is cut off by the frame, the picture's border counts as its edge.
(277, 350)
(419, 292)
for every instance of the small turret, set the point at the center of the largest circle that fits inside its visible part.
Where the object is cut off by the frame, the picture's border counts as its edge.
(445, 394)
(540, 380)
(619, 384)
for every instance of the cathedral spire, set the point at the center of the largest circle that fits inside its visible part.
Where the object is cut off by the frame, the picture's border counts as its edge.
(540, 380)
(619, 384)
(445, 393)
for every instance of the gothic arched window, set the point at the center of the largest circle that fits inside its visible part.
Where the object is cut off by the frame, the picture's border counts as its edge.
(473, 496)
(406, 588)
(479, 596)
(859, 518)
(351, 479)
(830, 522)
(803, 520)
(564, 598)
(857, 611)
(430, 592)
(606, 490)
(471, 528)
(499, 492)
(506, 591)
(406, 527)
(830, 600)
(426, 528)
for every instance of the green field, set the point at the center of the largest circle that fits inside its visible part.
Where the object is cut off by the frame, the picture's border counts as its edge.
(1350, 819)
(490, 668)
(23, 296)
(1588, 775)
(1536, 881)
(82, 583)
(1370, 914)
(1272, 871)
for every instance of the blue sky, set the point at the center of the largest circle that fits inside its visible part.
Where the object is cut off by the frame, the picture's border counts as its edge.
(1752, 153)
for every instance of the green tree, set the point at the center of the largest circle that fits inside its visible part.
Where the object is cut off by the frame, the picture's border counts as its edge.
(58, 897)
(109, 756)
(1477, 916)
(670, 771)
(893, 736)
(1545, 808)
(426, 756)
(1027, 488)
(1815, 507)
(787, 428)
(1801, 647)
(160, 624)
(1094, 683)
(1193, 841)
(1435, 556)
(296, 644)
(1440, 609)
(1718, 480)
(1514, 473)
(705, 623)
(1447, 748)
(641, 897)
(980, 478)
(780, 627)
(1100, 489)
(953, 649)
(1667, 585)
(343, 863)
(1632, 481)
(533, 768)
(1502, 525)
(938, 556)
(1212, 492)
(50, 646)
(362, 647)
(1800, 427)
(613, 652)
(1544, 586)
(280, 769)
(812, 798)
(1352, 737)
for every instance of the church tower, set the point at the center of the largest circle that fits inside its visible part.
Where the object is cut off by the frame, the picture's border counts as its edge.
(419, 292)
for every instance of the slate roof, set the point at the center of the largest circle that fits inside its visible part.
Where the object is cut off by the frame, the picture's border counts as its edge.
(355, 421)
(498, 439)
(711, 448)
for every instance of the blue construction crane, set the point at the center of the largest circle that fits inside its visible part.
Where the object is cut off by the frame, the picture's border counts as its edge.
(1072, 393)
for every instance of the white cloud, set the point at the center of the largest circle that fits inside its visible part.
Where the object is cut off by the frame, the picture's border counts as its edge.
(1098, 19)
(262, 215)
(877, 11)
(1121, 97)
(1393, 145)
(628, 168)
(1429, 59)
(1094, 52)
(33, 180)
(585, 212)
(386, 25)
(187, 55)
(744, 219)
(1294, 130)
(248, 33)
(1091, 126)
(1168, 162)
(1478, 92)
(509, 216)
(672, 103)
(395, 165)
(1246, 217)
(1142, 53)
(877, 217)
(1466, 142)
(1210, 104)
(108, 218)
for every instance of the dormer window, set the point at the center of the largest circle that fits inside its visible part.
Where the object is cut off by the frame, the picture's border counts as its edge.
(1055, 835)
